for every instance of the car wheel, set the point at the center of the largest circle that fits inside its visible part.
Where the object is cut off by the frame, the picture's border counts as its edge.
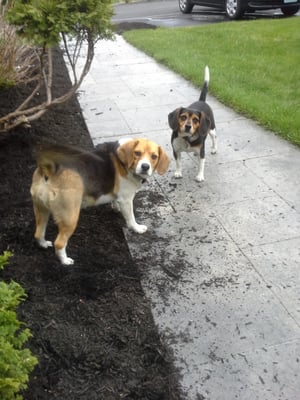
(185, 6)
(290, 10)
(234, 9)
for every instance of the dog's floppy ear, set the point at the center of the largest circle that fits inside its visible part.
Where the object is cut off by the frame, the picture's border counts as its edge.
(173, 119)
(205, 123)
(163, 162)
(125, 152)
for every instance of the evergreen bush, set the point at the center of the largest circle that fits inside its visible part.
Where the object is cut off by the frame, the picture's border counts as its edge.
(16, 362)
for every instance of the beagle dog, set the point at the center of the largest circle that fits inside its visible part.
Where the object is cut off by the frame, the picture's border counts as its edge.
(190, 126)
(67, 179)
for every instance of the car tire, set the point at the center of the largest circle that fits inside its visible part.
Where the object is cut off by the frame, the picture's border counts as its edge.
(234, 9)
(289, 11)
(185, 6)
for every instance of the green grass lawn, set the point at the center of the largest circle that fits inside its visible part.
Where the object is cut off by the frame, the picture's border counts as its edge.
(254, 65)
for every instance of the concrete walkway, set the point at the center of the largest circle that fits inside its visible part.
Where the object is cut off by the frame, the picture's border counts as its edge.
(221, 259)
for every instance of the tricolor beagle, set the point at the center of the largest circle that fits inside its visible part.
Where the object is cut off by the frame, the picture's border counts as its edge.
(190, 127)
(68, 179)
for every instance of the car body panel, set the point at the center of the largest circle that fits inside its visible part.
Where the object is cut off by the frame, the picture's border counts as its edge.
(247, 5)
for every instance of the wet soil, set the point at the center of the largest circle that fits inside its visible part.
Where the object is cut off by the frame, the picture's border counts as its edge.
(92, 327)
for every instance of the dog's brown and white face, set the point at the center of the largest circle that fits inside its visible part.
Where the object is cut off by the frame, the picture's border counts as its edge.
(142, 157)
(188, 122)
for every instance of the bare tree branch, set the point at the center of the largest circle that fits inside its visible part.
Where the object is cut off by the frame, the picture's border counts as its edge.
(23, 115)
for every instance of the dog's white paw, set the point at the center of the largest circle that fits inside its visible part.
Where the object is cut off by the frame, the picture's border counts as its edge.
(63, 258)
(199, 178)
(213, 150)
(67, 261)
(139, 228)
(44, 243)
(178, 174)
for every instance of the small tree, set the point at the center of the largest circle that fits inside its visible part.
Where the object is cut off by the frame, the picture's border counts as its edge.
(44, 24)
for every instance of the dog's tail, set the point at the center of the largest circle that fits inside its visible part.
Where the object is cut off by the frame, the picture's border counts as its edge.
(48, 162)
(51, 157)
(204, 90)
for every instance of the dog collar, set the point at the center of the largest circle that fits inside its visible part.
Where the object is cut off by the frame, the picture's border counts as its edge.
(142, 180)
(191, 139)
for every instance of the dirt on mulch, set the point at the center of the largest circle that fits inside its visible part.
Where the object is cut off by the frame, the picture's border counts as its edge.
(93, 331)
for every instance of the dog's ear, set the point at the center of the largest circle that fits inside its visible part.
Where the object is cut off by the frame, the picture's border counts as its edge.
(125, 152)
(163, 162)
(173, 119)
(205, 123)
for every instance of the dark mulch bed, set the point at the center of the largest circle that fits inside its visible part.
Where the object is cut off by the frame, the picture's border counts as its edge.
(92, 327)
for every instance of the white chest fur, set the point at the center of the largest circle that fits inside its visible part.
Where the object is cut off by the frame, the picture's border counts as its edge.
(128, 187)
(180, 144)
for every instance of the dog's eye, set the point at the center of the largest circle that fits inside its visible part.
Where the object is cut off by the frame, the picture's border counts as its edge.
(183, 118)
(154, 156)
(195, 121)
(137, 153)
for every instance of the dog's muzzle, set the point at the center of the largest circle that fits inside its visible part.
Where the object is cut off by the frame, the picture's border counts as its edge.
(188, 128)
(144, 169)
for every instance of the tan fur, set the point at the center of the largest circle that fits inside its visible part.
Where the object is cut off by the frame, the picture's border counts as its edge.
(62, 197)
(163, 162)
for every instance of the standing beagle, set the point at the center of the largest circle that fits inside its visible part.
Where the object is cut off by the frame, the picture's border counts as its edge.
(190, 126)
(68, 179)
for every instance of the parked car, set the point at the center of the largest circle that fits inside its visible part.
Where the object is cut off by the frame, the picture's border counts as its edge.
(236, 8)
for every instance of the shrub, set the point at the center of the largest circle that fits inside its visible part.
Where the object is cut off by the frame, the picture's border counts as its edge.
(16, 58)
(16, 362)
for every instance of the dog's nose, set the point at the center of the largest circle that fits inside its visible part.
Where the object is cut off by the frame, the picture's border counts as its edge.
(145, 167)
(188, 128)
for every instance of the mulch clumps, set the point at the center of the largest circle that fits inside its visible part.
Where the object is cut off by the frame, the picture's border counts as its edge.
(92, 326)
